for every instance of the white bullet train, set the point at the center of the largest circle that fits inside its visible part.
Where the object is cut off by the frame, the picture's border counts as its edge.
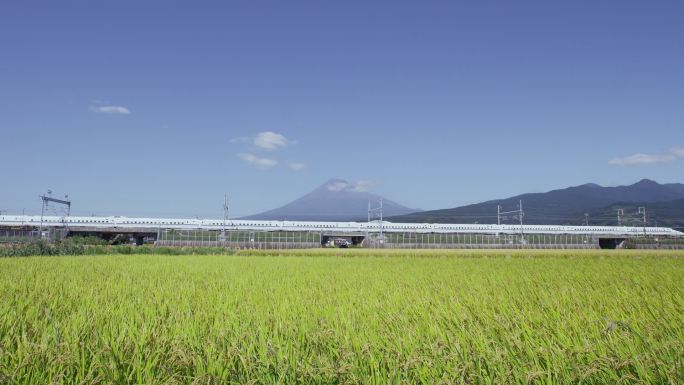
(154, 224)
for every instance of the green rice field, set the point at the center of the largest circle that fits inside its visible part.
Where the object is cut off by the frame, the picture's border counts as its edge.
(345, 317)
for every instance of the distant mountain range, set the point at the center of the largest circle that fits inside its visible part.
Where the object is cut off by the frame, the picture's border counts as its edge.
(340, 200)
(664, 204)
(667, 214)
(335, 200)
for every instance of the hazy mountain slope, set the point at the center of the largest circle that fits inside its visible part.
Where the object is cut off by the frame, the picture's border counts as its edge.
(335, 200)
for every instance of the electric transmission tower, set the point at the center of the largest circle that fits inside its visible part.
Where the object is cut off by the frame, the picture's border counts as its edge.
(620, 215)
(642, 211)
(515, 214)
(47, 198)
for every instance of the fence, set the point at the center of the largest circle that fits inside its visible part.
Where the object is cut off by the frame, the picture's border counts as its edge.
(515, 241)
(26, 236)
(240, 239)
(481, 241)
(407, 240)
(18, 236)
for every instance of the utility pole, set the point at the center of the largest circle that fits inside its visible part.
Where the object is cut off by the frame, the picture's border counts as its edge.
(498, 214)
(586, 219)
(225, 215)
(381, 237)
(371, 214)
(368, 224)
(522, 233)
(381, 211)
(226, 209)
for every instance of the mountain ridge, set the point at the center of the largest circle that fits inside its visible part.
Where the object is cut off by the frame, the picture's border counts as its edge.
(559, 206)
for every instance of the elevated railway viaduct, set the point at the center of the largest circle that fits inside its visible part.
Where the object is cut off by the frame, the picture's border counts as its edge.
(247, 233)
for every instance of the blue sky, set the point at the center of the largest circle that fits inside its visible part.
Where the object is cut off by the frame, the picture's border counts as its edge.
(159, 108)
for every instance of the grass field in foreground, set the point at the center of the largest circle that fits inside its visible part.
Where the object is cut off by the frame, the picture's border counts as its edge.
(145, 319)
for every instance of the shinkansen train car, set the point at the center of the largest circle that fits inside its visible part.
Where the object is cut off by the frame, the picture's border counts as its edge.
(123, 223)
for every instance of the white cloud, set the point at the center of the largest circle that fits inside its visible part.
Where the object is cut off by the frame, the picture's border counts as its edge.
(256, 161)
(241, 139)
(638, 159)
(363, 185)
(646, 159)
(337, 186)
(677, 151)
(267, 140)
(358, 186)
(270, 140)
(114, 110)
(296, 165)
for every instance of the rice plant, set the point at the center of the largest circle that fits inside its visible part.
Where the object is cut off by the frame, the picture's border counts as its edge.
(344, 317)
